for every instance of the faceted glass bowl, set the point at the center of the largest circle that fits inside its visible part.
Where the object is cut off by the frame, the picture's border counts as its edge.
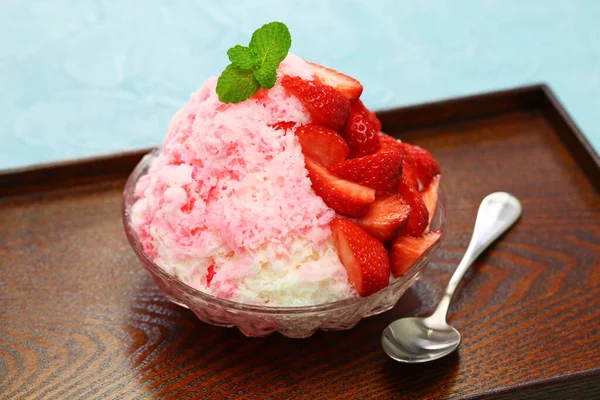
(256, 320)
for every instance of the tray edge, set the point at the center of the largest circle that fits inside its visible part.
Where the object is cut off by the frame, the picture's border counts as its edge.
(572, 137)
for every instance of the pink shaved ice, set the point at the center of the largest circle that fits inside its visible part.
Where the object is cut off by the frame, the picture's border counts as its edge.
(231, 192)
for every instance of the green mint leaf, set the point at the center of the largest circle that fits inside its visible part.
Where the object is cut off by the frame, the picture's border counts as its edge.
(271, 42)
(266, 76)
(236, 84)
(256, 65)
(243, 57)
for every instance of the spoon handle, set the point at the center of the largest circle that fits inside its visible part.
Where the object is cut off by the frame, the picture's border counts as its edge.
(497, 212)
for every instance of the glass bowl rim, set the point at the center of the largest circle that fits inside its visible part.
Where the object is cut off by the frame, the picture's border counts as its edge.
(129, 199)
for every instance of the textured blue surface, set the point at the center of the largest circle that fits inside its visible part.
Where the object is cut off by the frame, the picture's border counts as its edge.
(81, 78)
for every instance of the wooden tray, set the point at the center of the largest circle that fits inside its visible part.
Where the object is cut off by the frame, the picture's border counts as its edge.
(80, 318)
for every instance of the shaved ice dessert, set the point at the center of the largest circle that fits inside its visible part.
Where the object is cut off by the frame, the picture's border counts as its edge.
(275, 186)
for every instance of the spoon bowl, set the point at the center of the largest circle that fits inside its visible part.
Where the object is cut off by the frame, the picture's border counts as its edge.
(416, 340)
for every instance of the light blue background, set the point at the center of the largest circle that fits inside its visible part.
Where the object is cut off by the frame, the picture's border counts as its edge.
(88, 77)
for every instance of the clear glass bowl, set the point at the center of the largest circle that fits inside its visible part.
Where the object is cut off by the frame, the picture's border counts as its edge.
(254, 320)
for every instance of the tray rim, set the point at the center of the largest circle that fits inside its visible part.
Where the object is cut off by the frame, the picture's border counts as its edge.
(455, 110)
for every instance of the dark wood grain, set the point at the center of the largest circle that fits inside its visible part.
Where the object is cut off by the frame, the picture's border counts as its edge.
(81, 319)
(67, 174)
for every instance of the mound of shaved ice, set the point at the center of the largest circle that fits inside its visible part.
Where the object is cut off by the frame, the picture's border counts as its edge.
(227, 205)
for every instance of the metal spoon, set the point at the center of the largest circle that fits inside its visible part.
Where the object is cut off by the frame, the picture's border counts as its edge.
(417, 340)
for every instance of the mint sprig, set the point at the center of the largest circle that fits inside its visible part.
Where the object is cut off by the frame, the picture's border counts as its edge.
(243, 57)
(256, 65)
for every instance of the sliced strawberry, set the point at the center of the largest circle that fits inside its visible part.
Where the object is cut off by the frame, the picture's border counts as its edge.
(430, 195)
(385, 217)
(380, 171)
(210, 273)
(421, 161)
(283, 125)
(364, 257)
(322, 144)
(388, 142)
(409, 174)
(349, 87)
(419, 216)
(407, 249)
(417, 160)
(360, 133)
(326, 105)
(345, 197)
(260, 94)
(370, 116)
